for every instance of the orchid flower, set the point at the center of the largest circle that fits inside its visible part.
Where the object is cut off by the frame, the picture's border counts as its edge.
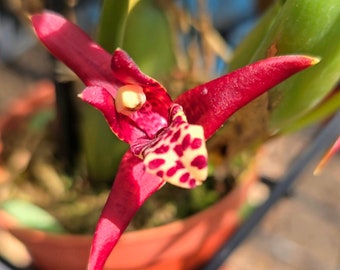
(166, 137)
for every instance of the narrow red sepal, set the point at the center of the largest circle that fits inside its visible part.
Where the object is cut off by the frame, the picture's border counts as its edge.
(131, 188)
(212, 103)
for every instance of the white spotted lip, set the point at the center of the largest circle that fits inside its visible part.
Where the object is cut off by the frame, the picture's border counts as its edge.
(179, 156)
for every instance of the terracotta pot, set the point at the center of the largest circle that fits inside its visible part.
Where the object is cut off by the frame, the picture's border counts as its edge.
(184, 244)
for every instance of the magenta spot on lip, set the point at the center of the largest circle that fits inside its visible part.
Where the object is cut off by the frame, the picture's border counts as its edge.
(179, 165)
(200, 162)
(178, 119)
(186, 141)
(175, 136)
(196, 143)
(172, 171)
(160, 173)
(155, 163)
(162, 149)
(192, 183)
(179, 150)
(184, 177)
(178, 122)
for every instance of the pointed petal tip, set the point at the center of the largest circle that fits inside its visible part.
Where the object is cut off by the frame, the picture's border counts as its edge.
(321, 165)
(46, 23)
(304, 61)
(39, 17)
(314, 60)
(309, 61)
(29, 16)
(335, 148)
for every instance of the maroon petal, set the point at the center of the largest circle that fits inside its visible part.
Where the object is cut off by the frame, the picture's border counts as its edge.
(72, 46)
(93, 65)
(141, 126)
(131, 188)
(158, 100)
(211, 104)
(125, 69)
(120, 125)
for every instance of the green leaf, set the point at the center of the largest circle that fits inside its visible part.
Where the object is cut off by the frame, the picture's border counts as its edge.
(103, 150)
(244, 52)
(148, 39)
(303, 27)
(327, 108)
(31, 216)
(112, 24)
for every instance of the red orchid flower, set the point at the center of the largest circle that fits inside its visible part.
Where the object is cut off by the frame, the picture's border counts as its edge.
(166, 137)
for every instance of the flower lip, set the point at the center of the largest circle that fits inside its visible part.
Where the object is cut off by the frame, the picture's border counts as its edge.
(178, 153)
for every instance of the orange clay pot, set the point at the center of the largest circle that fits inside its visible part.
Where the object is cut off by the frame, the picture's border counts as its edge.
(184, 244)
